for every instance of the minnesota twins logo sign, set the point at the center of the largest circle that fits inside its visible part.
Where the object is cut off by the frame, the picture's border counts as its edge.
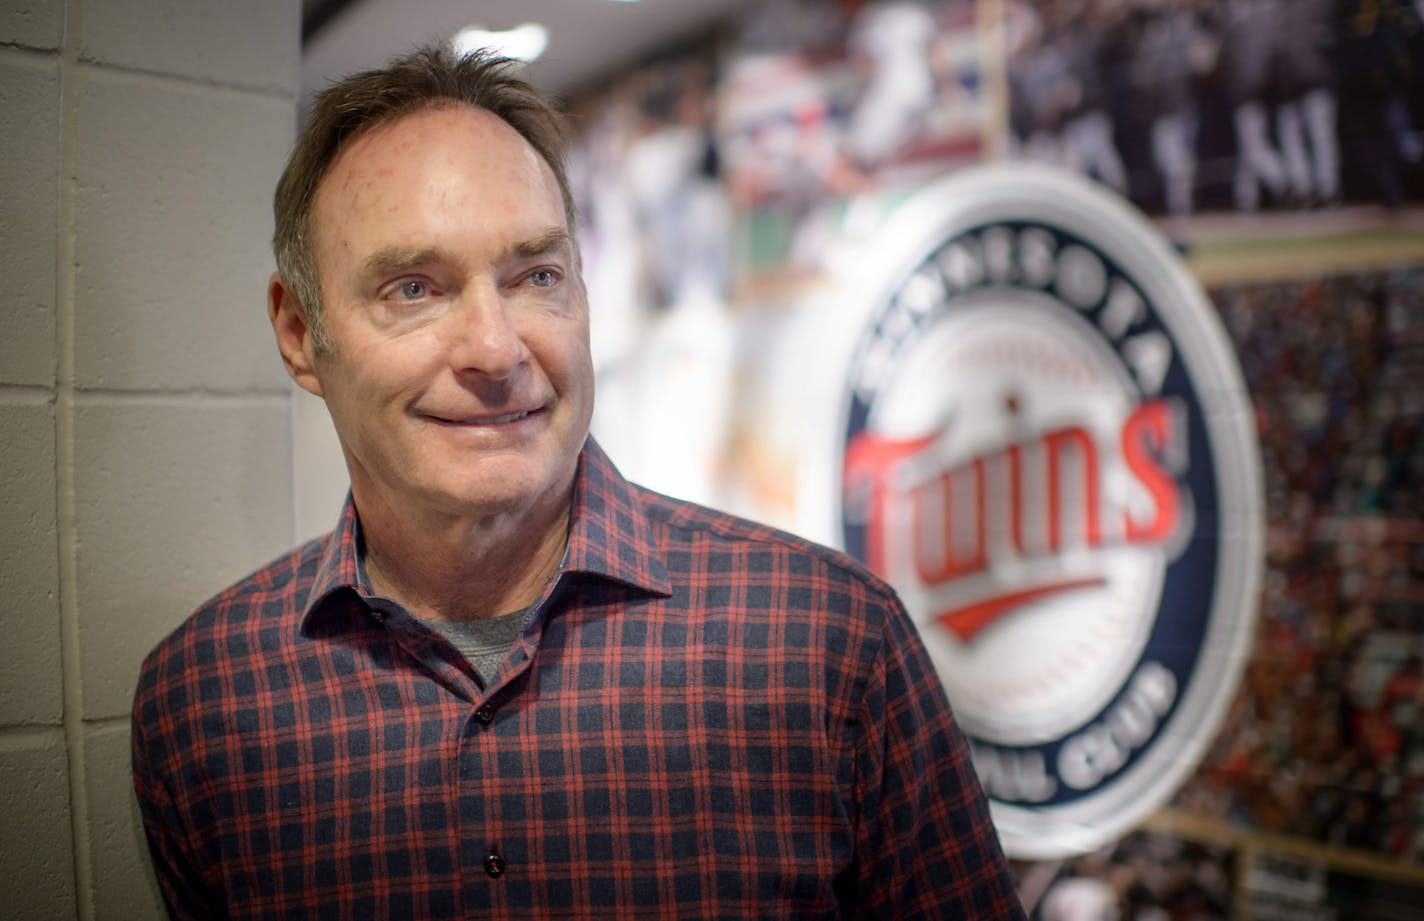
(1049, 452)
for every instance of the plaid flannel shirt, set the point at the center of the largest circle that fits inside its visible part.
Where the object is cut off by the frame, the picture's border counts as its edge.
(702, 718)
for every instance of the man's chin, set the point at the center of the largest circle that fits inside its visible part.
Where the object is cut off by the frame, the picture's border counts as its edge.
(492, 493)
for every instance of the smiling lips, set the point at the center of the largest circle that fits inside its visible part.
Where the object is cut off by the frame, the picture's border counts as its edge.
(484, 420)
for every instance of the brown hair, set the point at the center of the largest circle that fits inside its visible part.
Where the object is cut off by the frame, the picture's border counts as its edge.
(429, 77)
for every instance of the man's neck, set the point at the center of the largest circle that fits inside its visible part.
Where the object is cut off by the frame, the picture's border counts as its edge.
(460, 569)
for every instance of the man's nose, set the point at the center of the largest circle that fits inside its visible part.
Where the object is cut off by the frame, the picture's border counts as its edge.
(484, 340)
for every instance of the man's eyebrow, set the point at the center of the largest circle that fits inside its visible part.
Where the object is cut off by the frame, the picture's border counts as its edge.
(393, 259)
(538, 245)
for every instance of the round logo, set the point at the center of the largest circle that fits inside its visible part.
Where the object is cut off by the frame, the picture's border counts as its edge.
(1050, 453)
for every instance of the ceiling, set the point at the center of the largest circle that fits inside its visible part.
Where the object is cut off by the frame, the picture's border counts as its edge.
(589, 39)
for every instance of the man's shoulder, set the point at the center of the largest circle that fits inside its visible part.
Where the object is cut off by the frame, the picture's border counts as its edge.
(685, 525)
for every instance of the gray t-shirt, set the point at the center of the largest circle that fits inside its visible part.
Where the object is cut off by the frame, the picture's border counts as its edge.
(483, 641)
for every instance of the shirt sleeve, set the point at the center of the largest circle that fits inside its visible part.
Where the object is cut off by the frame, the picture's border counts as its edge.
(178, 872)
(926, 847)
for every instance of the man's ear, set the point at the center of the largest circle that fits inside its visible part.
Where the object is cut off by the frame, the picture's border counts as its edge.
(294, 335)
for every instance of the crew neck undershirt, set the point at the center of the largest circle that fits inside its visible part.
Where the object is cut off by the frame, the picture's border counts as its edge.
(483, 641)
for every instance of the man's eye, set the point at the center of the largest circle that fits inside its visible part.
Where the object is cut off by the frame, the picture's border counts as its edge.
(543, 278)
(411, 290)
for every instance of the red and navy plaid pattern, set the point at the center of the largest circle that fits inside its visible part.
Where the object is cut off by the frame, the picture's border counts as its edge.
(703, 718)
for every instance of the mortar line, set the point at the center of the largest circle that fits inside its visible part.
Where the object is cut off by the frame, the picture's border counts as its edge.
(105, 722)
(185, 81)
(26, 394)
(18, 50)
(126, 397)
(27, 735)
(71, 655)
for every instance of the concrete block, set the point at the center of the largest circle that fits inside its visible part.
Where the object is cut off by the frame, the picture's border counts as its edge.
(124, 886)
(31, 688)
(173, 219)
(32, 23)
(320, 476)
(29, 187)
(256, 43)
(37, 874)
(174, 500)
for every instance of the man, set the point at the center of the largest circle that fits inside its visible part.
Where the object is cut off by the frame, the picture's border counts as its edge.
(511, 684)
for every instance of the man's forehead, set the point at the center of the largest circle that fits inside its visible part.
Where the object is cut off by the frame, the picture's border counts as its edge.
(430, 123)
(398, 149)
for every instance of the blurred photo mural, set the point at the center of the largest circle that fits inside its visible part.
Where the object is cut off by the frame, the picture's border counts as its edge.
(1239, 383)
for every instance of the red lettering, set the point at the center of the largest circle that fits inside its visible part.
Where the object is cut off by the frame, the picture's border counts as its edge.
(950, 528)
(869, 459)
(1015, 453)
(937, 559)
(1057, 443)
(1150, 427)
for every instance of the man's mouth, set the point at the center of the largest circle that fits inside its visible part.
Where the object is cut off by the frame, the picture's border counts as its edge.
(484, 420)
(497, 420)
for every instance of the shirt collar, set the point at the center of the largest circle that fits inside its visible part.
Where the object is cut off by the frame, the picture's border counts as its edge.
(609, 537)
(339, 568)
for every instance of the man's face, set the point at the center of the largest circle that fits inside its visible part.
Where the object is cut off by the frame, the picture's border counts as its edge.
(459, 381)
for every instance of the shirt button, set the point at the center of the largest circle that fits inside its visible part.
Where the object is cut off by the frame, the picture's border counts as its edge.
(494, 865)
(485, 714)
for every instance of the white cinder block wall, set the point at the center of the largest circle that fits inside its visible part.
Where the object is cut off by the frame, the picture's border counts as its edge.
(146, 427)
